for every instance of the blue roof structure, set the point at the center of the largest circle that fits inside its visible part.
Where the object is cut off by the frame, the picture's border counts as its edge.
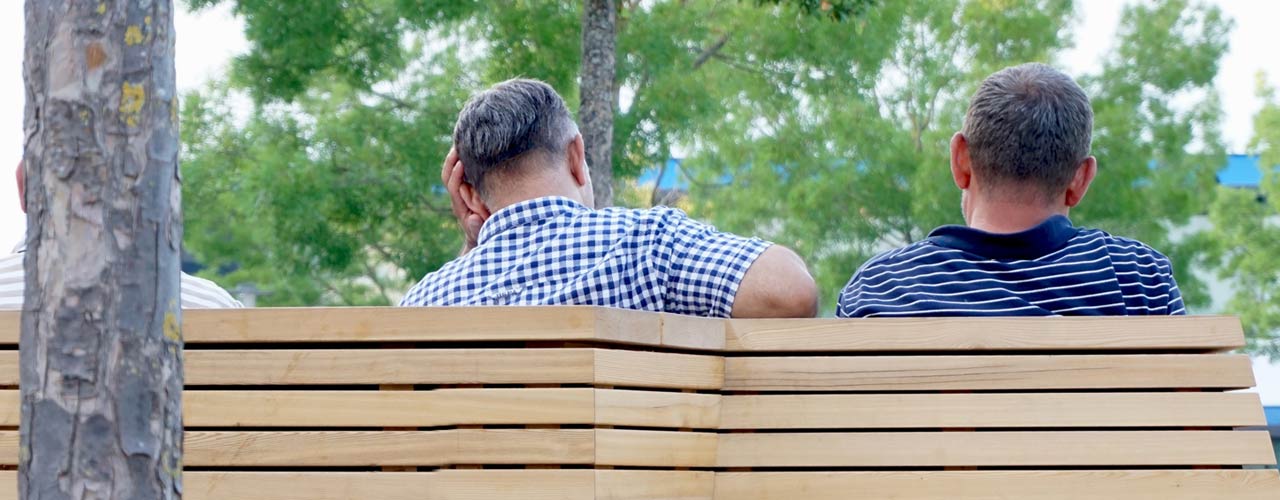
(1242, 171)
(672, 177)
(1273, 414)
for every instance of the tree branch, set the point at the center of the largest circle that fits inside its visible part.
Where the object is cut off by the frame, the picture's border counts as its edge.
(714, 49)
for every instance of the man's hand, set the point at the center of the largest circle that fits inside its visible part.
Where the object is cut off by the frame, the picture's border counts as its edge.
(453, 177)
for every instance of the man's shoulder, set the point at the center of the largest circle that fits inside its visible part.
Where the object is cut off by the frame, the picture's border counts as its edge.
(914, 254)
(1119, 246)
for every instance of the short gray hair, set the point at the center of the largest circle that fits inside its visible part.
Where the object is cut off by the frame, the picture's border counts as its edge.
(1029, 125)
(500, 127)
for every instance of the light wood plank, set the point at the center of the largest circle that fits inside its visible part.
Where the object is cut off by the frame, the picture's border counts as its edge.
(654, 485)
(692, 332)
(619, 485)
(1002, 485)
(511, 485)
(406, 324)
(927, 373)
(443, 407)
(571, 485)
(903, 411)
(383, 448)
(244, 485)
(657, 409)
(1199, 333)
(620, 447)
(581, 323)
(658, 369)
(389, 366)
(930, 449)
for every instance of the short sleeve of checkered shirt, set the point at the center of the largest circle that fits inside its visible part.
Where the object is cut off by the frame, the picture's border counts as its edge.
(703, 267)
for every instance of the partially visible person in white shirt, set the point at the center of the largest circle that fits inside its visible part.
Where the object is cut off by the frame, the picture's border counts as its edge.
(197, 293)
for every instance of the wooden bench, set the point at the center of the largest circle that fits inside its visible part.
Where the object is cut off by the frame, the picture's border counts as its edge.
(584, 403)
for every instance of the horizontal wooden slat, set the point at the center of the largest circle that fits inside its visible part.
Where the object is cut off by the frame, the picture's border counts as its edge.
(383, 448)
(653, 485)
(389, 366)
(448, 484)
(447, 407)
(925, 373)
(692, 485)
(658, 369)
(694, 449)
(406, 324)
(903, 411)
(692, 332)
(444, 407)
(657, 409)
(1020, 449)
(1201, 333)
(242, 485)
(581, 323)
(511, 485)
(655, 448)
(993, 485)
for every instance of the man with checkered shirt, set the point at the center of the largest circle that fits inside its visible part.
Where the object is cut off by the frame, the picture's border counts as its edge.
(521, 189)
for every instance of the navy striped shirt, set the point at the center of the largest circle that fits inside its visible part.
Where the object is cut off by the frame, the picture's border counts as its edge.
(1051, 269)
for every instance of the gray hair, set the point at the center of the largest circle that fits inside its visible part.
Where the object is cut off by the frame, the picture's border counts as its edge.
(500, 127)
(1029, 126)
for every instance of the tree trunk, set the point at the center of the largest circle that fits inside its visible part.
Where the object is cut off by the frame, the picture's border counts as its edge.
(101, 346)
(599, 93)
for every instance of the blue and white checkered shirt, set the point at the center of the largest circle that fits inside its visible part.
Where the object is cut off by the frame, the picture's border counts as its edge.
(556, 251)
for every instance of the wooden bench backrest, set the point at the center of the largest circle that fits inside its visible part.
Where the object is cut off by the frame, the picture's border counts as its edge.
(585, 403)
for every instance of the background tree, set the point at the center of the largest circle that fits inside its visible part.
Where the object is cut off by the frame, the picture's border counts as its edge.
(101, 366)
(599, 93)
(1246, 234)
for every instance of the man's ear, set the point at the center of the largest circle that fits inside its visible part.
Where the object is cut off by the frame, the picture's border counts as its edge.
(475, 203)
(961, 166)
(1085, 173)
(577, 159)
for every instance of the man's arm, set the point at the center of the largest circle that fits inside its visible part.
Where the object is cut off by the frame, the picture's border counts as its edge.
(452, 175)
(777, 285)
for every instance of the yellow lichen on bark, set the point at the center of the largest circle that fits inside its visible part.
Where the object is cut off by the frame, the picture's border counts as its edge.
(102, 8)
(132, 97)
(133, 35)
(172, 330)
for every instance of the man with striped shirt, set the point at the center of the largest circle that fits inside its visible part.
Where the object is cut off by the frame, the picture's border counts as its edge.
(197, 293)
(1022, 162)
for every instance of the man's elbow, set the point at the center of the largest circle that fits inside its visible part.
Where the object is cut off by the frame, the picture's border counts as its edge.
(778, 285)
(800, 301)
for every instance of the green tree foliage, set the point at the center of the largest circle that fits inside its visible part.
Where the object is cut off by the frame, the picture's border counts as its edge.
(830, 137)
(1246, 230)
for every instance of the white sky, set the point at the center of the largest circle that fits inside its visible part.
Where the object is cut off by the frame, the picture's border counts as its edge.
(208, 39)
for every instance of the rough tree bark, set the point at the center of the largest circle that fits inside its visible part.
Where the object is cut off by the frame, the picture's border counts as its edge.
(101, 366)
(599, 93)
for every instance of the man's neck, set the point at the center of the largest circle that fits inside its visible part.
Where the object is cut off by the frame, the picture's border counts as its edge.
(1007, 218)
(531, 191)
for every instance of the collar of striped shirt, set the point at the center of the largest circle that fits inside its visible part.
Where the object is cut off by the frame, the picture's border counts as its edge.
(527, 212)
(1047, 237)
